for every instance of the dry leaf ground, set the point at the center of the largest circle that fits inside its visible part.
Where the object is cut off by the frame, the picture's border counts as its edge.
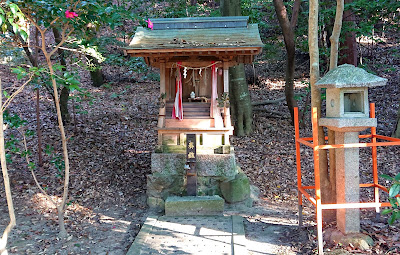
(110, 148)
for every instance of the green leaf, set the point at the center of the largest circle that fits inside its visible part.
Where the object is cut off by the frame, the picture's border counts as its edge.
(24, 35)
(15, 28)
(2, 19)
(386, 211)
(393, 201)
(14, 8)
(4, 27)
(397, 177)
(392, 219)
(387, 177)
(394, 190)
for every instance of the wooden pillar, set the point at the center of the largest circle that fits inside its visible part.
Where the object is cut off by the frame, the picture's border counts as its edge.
(191, 173)
(227, 115)
(161, 115)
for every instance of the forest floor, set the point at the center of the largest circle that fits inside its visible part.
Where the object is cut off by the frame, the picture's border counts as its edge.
(113, 136)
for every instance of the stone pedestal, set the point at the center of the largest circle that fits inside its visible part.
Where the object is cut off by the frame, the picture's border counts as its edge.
(347, 182)
(217, 174)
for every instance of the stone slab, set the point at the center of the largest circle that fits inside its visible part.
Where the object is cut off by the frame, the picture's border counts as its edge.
(217, 235)
(207, 164)
(202, 205)
(348, 124)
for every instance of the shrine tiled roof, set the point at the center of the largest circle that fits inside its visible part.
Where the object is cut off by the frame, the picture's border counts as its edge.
(218, 34)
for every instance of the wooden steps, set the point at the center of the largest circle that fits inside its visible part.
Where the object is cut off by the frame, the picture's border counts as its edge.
(191, 110)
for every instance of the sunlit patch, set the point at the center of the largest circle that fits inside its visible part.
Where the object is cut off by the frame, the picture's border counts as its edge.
(371, 40)
(42, 201)
(114, 224)
(133, 151)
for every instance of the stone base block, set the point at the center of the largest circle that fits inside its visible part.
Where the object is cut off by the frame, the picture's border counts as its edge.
(187, 206)
(236, 190)
(207, 164)
(358, 240)
(156, 204)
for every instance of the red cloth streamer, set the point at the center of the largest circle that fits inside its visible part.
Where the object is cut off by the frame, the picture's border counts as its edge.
(177, 110)
(214, 95)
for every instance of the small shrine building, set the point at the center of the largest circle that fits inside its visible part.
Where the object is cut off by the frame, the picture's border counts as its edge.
(194, 56)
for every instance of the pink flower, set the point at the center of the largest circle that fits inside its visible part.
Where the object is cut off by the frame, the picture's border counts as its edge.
(70, 15)
(149, 24)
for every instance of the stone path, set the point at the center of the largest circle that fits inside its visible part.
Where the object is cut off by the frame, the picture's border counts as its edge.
(219, 235)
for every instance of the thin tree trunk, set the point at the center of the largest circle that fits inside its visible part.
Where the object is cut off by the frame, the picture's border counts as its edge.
(316, 95)
(397, 130)
(3, 241)
(336, 35)
(64, 94)
(349, 53)
(334, 39)
(288, 35)
(61, 208)
(38, 129)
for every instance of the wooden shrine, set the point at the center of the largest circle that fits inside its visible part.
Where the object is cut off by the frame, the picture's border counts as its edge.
(194, 56)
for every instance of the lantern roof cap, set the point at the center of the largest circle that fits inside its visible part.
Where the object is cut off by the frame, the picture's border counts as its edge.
(349, 76)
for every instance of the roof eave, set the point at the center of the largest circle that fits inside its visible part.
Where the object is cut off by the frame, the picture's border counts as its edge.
(250, 50)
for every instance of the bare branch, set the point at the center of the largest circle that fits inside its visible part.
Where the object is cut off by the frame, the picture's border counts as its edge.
(19, 90)
(51, 23)
(33, 173)
(63, 38)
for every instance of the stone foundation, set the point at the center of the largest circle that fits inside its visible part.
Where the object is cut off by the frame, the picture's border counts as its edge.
(217, 174)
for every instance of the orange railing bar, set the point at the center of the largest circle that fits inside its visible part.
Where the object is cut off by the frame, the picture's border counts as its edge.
(308, 196)
(351, 205)
(388, 138)
(303, 141)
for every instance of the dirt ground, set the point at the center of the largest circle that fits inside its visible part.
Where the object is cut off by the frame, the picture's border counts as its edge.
(110, 146)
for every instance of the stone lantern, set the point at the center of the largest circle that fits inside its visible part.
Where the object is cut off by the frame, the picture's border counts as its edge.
(347, 113)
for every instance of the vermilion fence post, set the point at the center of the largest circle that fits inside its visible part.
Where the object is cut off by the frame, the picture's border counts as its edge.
(374, 160)
(298, 164)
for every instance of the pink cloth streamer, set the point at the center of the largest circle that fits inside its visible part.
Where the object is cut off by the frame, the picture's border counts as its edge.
(214, 95)
(177, 110)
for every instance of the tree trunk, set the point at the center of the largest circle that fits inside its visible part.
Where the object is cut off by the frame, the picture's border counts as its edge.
(397, 130)
(316, 97)
(96, 75)
(288, 35)
(64, 97)
(336, 35)
(240, 100)
(64, 94)
(4, 238)
(330, 197)
(349, 53)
